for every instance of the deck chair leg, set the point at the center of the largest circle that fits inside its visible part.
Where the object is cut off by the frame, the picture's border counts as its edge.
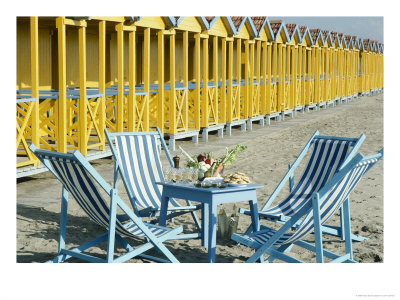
(347, 228)
(111, 228)
(342, 223)
(317, 229)
(63, 223)
(283, 248)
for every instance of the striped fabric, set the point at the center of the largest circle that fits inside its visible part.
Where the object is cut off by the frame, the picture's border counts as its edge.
(140, 163)
(77, 180)
(326, 157)
(332, 202)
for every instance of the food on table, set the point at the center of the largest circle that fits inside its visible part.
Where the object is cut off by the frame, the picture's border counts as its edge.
(238, 178)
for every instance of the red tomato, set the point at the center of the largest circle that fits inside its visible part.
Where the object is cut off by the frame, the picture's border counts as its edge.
(208, 161)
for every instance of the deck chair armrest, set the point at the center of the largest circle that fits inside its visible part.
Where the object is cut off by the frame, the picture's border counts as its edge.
(264, 215)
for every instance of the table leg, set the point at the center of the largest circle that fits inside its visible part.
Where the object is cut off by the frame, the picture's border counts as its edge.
(204, 224)
(212, 232)
(254, 215)
(163, 211)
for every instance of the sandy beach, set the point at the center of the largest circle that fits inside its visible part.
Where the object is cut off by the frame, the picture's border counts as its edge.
(270, 150)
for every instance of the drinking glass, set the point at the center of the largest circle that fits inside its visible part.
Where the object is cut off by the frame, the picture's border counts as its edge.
(194, 174)
(178, 175)
(168, 174)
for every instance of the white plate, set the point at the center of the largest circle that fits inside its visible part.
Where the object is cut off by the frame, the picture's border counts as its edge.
(238, 184)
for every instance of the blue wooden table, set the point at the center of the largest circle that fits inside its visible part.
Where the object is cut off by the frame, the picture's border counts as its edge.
(210, 199)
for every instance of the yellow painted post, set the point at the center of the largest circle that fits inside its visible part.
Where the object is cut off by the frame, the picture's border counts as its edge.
(197, 78)
(172, 99)
(102, 81)
(132, 82)
(308, 99)
(185, 64)
(160, 70)
(214, 100)
(62, 88)
(229, 107)
(281, 79)
(82, 102)
(250, 91)
(258, 76)
(222, 102)
(293, 75)
(120, 98)
(146, 79)
(34, 27)
(246, 99)
(238, 76)
(303, 79)
(264, 93)
(269, 64)
(204, 99)
(274, 96)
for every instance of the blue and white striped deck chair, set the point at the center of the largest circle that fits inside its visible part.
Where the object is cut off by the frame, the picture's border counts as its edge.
(325, 202)
(83, 182)
(137, 160)
(328, 155)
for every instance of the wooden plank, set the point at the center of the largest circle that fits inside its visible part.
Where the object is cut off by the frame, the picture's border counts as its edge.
(102, 80)
(120, 76)
(62, 88)
(132, 82)
(82, 102)
(34, 34)
(160, 69)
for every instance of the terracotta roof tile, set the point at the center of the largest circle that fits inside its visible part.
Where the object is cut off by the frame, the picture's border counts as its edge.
(275, 25)
(314, 34)
(347, 38)
(236, 21)
(258, 22)
(365, 42)
(302, 30)
(290, 29)
(209, 19)
(333, 35)
(325, 33)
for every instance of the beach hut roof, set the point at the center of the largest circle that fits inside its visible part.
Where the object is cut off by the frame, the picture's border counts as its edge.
(278, 26)
(259, 23)
(302, 30)
(325, 35)
(240, 21)
(366, 44)
(275, 26)
(333, 37)
(315, 35)
(202, 20)
(291, 28)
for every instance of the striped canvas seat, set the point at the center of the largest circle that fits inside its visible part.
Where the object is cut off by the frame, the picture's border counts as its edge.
(141, 166)
(137, 161)
(326, 158)
(328, 154)
(79, 183)
(89, 189)
(326, 201)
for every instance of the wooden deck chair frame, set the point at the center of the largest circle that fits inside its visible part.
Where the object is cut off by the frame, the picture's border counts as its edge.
(289, 178)
(151, 235)
(312, 212)
(150, 210)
